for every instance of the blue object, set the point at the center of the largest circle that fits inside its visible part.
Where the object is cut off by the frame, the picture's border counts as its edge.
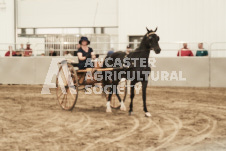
(84, 39)
(110, 53)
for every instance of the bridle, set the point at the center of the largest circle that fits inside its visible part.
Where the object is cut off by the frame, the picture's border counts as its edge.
(151, 33)
(126, 67)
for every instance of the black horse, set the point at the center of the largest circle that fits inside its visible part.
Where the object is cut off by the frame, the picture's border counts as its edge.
(135, 67)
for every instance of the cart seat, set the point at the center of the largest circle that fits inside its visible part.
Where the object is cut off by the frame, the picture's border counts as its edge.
(74, 64)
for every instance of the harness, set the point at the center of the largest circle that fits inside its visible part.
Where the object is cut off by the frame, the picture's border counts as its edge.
(132, 63)
(123, 65)
(151, 33)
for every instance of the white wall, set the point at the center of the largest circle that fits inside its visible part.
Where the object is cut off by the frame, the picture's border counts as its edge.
(26, 70)
(177, 20)
(33, 70)
(218, 74)
(174, 71)
(67, 13)
(6, 25)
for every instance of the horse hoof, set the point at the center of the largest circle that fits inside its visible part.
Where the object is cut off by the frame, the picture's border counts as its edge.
(130, 113)
(123, 108)
(108, 110)
(147, 114)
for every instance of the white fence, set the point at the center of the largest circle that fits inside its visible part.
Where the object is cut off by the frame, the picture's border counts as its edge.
(169, 71)
(188, 71)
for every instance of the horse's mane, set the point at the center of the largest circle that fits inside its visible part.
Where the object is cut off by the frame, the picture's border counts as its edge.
(142, 43)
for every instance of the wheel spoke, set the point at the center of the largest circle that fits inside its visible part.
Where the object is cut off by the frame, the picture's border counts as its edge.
(67, 82)
(73, 90)
(63, 77)
(60, 94)
(68, 100)
(62, 100)
(72, 94)
(65, 104)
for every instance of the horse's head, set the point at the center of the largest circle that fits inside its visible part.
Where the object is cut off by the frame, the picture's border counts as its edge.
(152, 40)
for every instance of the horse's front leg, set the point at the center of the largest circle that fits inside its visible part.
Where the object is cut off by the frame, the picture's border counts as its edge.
(122, 107)
(132, 94)
(144, 88)
(109, 101)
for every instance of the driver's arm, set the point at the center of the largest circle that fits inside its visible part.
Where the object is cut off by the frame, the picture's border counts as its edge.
(93, 55)
(80, 57)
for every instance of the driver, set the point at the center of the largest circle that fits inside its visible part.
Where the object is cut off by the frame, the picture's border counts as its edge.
(85, 54)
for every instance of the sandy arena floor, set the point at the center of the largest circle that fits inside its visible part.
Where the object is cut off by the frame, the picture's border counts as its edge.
(182, 119)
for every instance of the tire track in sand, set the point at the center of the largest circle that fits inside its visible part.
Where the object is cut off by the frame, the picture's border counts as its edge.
(177, 126)
(220, 144)
(87, 124)
(2, 111)
(72, 126)
(78, 127)
(45, 122)
(108, 140)
(161, 132)
(207, 132)
(69, 125)
(107, 123)
(150, 122)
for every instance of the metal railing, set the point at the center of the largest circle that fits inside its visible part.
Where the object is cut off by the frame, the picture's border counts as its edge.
(218, 49)
(169, 49)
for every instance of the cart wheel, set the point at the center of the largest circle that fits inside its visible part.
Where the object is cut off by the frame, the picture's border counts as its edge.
(123, 90)
(67, 87)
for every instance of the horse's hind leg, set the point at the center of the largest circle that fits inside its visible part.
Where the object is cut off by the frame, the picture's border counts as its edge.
(144, 88)
(123, 107)
(109, 100)
(131, 97)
